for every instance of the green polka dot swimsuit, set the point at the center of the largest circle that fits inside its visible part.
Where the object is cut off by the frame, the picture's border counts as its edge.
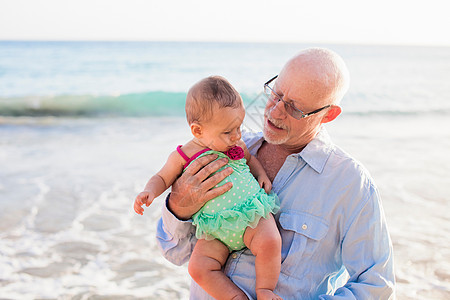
(227, 216)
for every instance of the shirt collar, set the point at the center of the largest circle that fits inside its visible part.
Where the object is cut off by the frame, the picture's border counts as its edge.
(317, 152)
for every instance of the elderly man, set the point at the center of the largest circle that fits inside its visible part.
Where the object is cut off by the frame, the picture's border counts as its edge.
(335, 243)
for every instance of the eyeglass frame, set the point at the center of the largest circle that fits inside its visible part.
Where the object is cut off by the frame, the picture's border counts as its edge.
(290, 108)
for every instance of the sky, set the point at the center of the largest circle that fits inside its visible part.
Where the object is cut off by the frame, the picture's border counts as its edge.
(407, 22)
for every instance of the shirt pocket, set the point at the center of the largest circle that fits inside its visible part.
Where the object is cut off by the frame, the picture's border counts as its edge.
(302, 233)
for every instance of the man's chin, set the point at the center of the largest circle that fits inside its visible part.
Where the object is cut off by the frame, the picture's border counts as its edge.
(273, 138)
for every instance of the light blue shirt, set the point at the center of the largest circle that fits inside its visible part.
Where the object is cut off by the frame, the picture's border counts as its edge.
(335, 244)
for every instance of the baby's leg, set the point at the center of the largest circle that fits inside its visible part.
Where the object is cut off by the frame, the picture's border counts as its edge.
(265, 243)
(205, 267)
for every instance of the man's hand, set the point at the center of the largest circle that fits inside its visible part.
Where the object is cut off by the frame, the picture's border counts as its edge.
(194, 188)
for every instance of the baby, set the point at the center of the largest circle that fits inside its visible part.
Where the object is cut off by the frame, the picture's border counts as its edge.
(242, 217)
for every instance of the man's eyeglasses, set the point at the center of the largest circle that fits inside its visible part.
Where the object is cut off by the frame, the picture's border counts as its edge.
(289, 107)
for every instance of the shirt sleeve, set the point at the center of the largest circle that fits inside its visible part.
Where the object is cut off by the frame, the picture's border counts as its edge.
(367, 254)
(176, 238)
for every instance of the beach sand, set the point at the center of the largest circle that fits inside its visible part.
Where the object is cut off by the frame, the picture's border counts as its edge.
(68, 230)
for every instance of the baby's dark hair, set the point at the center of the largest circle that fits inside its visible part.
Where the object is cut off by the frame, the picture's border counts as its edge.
(210, 91)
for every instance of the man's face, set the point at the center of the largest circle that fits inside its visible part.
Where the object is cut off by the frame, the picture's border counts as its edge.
(282, 129)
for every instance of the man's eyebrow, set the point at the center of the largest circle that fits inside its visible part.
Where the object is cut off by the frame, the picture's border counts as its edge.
(280, 94)
(289, 100)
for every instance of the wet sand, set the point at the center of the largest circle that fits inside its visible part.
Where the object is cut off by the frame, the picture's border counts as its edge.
(67, 186)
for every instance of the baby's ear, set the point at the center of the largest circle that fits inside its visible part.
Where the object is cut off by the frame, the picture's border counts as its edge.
(196, 130)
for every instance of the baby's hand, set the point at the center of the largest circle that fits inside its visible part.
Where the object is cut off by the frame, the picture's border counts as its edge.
(141, 199)
(265, 183)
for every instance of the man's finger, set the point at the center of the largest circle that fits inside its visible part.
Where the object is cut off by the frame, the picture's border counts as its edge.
(199, 163)
(218, 191)
(209, 169)
(216, 178)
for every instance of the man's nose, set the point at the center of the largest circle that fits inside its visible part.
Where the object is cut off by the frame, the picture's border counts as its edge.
(277, 110)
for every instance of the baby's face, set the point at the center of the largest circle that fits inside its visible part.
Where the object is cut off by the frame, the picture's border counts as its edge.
(223, 131)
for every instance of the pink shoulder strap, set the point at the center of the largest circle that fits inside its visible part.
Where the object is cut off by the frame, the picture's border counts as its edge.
(183, 155)
(186, 158)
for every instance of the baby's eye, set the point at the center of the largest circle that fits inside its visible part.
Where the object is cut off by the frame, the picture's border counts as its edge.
(227, 132)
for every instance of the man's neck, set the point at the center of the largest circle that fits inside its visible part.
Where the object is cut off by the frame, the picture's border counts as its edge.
(272, 158)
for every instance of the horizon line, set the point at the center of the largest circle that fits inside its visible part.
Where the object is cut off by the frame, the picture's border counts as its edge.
(229, 42)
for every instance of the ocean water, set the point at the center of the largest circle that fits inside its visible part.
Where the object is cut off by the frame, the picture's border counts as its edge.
(83, 125)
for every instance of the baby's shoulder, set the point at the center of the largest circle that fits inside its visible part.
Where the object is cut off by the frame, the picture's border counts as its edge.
(189, 149)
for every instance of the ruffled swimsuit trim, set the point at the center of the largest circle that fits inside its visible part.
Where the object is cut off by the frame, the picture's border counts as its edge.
(248, 213)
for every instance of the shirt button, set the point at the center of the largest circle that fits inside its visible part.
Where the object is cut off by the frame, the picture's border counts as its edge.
(304, 226)
(234, 255)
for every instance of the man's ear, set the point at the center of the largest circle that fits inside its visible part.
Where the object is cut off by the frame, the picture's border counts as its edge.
(196, 130)
(332, 114)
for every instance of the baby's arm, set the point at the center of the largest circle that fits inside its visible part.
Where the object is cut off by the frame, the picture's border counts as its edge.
(160, 182)
(256, 169)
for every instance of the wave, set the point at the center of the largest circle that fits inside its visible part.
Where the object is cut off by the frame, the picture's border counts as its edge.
(156, 103)
(135, 104)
